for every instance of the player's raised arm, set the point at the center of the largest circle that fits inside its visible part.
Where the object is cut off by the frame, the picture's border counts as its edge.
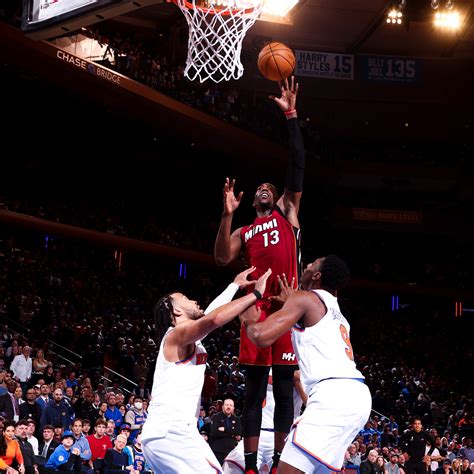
(227, 246)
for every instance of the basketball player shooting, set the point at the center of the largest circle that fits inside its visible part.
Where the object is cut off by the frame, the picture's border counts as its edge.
(271, 241)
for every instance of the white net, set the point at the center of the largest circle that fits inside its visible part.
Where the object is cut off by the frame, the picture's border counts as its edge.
(215, 39)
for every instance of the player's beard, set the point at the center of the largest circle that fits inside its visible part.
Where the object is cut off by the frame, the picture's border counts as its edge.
(198, 314)
(265, 206)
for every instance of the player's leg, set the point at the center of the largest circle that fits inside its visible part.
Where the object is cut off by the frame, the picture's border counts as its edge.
(284, 366)
(182, 450)
(256, 380)
(284, 468)
(284, 411)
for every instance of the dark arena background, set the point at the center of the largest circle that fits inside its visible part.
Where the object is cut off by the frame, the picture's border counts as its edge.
(111, 182)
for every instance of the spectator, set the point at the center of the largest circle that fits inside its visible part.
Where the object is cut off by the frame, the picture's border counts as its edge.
(44, 397)
(29, 459)
(110, 430)
(113, 413)
(392, 466)
(352, 457)
(58, 432)
(135, 417)
(10, 450)
(141, 390)
(64, 457)
(39, 365)
(226, 431)
(31, 409)
(86, 427)
(467, 450)
(368, 466)
(30, 433)
(466, 466)
(22, 368)
(81, 443)
(57, 411)
(139, 462)
(46, 446)
(9, 406)
(99, 443)
(380, 465)
(445, 467)
(116, 461)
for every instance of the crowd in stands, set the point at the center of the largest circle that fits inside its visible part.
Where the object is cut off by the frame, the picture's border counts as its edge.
(371, 255)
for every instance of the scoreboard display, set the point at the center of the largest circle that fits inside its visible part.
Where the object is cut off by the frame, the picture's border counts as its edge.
(44, 19)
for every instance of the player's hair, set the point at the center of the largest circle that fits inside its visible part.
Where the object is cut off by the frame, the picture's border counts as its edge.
(163, 315)
(334, 273)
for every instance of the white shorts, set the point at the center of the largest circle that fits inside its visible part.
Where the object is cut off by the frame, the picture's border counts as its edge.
(180, 449)
(337, 410)
(234, 462)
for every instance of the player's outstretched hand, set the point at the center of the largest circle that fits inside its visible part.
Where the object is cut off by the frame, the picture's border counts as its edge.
(289, 91)
(241, 278)
(285, 289)
(261, 283)
(231, 201)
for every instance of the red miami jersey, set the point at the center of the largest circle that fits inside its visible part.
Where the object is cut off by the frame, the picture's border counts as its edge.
(271, 242)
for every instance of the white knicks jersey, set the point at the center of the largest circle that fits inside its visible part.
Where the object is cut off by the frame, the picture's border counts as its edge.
(324, 350)
(177, 387)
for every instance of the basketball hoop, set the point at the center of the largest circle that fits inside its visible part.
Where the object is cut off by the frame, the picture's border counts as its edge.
(216, 31)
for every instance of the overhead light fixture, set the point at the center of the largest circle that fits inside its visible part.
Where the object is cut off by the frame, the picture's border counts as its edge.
(434, 4)
(448, 20)
(395, 17)
(279, 8)
(449, 5)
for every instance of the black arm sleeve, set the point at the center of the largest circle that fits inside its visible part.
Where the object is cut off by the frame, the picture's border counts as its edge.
(296, 164)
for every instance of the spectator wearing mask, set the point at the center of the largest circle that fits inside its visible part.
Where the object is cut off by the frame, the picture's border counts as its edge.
(135, 417)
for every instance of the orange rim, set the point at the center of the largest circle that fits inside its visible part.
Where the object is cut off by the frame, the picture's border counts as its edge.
(190, 6)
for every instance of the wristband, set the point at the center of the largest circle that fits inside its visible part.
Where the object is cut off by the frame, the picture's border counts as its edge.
(290, 112)
(257, 294)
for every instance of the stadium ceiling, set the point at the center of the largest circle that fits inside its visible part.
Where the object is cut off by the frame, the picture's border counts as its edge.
(349, 26)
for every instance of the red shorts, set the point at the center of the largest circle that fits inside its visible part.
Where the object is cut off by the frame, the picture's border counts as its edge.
(279, 353)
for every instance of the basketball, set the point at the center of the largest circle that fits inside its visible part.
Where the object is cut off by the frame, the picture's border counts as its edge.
(276, 61)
